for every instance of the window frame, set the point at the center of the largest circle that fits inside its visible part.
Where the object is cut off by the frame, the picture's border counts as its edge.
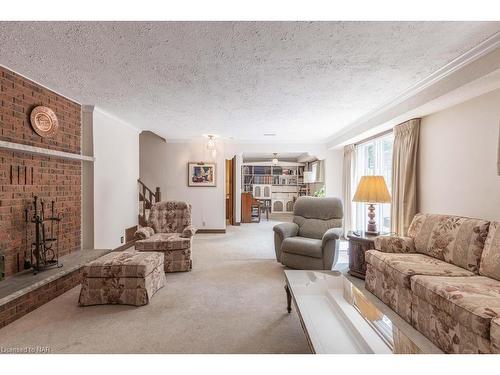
(380, 167)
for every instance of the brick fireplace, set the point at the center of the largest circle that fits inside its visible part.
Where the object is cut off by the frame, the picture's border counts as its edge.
(24, 175)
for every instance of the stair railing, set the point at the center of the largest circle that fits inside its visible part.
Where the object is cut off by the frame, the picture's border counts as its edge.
(148, 197)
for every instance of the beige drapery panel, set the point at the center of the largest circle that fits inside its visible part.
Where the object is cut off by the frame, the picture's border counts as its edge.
(348, 173)
(404, 175)
(498, 160)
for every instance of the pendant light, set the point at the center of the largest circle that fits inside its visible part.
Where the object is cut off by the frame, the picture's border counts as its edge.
(275, 158)
(211, 145)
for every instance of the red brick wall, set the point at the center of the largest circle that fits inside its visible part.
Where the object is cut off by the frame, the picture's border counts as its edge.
(23, 175)
(30, 301)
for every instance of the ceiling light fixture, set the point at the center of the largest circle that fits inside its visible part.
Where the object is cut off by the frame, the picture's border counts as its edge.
(275, 158)
(211, 142)
(211, 146)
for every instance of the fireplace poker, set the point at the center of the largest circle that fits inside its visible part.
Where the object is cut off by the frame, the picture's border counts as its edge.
(27, 262)
(52, 221)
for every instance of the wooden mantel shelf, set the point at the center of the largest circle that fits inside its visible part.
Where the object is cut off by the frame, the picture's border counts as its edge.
(43, 151)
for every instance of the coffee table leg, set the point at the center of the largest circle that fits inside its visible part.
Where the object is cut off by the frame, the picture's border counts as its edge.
(288, 299)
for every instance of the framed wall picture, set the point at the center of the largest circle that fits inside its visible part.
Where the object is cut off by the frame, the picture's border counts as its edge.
(201, 174)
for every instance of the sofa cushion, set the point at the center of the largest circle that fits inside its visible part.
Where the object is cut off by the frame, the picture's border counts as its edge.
(444, 331)
(454, 239)
(163, 242)
(318, 208)
(315, 228)
(490, 260)
(390, 291)
(124, 264)
(401, 267)
(309, 247)
(170, 216)
(472, 301)
(315, 216)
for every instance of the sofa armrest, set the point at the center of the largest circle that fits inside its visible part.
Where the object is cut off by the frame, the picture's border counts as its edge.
(188, 232)
(332, 234)
(495, 335)
(286, 230)
(143, 233)
(394, 244)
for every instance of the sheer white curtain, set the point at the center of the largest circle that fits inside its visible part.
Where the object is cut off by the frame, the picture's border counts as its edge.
(320, 171)
(404, 175)
(349, 170)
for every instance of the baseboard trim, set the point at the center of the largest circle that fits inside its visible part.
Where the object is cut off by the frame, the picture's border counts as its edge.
(210, 231)
(237, 224)
(125, 246)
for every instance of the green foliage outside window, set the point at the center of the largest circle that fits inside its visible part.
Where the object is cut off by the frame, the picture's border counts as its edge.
(320, 193)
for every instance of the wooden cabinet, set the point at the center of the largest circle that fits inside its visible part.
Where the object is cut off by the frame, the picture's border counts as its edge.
(246, 207)
(358, 245)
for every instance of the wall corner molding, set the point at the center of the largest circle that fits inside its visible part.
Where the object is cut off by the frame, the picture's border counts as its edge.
(117, 119)
(482, 49)
(88, 108)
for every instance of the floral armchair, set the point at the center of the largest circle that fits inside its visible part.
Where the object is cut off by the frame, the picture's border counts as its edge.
(169, 231)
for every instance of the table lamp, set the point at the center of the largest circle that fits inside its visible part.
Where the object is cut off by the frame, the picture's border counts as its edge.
(372, 189)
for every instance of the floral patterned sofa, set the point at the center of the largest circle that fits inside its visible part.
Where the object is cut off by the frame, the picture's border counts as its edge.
(169, 231)
(444, 279)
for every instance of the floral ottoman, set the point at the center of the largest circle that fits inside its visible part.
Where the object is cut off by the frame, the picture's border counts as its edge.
(177, 250)
(125, 278)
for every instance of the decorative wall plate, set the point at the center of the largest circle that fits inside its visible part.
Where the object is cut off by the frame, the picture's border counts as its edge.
(44, 121)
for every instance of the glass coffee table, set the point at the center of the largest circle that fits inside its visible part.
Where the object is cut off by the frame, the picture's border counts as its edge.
(337, 318)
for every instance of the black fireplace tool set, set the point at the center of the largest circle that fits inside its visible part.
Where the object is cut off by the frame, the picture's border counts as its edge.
(44, 250)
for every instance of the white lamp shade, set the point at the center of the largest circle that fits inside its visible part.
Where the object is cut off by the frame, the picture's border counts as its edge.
(309, 177)
(372, 189)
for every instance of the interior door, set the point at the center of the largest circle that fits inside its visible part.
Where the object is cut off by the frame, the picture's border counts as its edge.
(229, 192)
(233, 190)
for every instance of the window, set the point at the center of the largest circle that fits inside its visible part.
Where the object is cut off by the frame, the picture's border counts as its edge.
(314, 170)
(375, 158)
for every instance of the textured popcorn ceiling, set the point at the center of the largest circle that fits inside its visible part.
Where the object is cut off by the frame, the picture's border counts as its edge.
(304, 81)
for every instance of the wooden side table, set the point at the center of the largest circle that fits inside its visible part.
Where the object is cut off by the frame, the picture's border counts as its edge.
(358, 245)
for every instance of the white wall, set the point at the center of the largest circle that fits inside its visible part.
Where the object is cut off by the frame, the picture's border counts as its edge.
(208, 203)
(458, 156)
(232, 148)
(153, 163)
(116, 170)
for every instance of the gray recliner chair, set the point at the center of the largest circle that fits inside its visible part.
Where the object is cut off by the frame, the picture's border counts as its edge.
(311, 242)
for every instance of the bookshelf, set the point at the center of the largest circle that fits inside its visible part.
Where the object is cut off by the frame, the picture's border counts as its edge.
(282, 184)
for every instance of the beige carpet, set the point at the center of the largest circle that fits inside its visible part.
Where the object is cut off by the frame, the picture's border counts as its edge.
(232, 301)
